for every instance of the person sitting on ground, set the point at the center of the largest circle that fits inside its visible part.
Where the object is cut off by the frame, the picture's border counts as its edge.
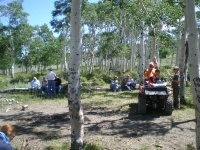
(7, 133)
(114, 84)
(58, 85)
(126, 83)
(44, 87)
(35, 84)
(133, 83)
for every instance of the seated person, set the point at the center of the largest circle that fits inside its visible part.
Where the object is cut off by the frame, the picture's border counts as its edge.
(149, 73)
(133, 83)
(44, 87)
(35, 85)
(156, 76)
(58, 85)
(126, 83)
(114, 84)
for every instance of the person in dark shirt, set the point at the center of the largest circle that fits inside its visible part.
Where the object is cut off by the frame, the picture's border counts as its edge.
(44, 87)
(125, 85)
(175, 86)
(7, 133)
(156, 76)
(58, 82)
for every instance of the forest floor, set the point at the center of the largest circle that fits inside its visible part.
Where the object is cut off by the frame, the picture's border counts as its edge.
(46, 123)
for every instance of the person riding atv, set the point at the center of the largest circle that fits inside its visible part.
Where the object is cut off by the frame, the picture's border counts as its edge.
(154, 93)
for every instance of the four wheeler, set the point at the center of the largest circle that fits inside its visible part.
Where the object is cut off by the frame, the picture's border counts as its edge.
(156, 96)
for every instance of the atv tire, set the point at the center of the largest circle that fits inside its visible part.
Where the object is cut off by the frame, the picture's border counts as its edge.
(141, 104)
(169, 105)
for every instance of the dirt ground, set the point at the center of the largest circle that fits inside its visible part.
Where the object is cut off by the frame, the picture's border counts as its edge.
(47, 123)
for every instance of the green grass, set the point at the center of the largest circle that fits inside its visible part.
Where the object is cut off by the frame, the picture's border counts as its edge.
(66, 146)
(119, 101)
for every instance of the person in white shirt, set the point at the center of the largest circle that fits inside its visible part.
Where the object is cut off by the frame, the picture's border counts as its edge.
(114, 84)
(51, 82)
(35, 84)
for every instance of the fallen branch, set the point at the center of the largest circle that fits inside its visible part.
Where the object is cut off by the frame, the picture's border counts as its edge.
(15, 90)
(98, 89)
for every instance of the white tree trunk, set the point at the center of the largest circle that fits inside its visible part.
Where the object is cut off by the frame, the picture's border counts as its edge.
(153, 44)
(141, 58)
(194, 63)
(199, 39)
(182, 61)
(146, 62)
(178, 52)
(64, 62)
(12, 55)
(172, 58)
(157, 53)
(74, 98)
(132, 52)
(92, 61)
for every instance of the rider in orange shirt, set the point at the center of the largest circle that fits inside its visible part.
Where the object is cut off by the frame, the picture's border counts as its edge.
(149, 73)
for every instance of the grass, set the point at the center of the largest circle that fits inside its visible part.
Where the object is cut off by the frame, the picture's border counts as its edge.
(66, 146)
(119, 101)
(109, 98)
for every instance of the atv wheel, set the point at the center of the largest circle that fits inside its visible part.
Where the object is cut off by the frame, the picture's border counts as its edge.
(169, 105)
(141, 104)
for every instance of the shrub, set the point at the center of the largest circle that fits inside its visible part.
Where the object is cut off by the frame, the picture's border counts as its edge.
(3, 83)
(64, 146)
(107, 77)
(91, 146)
(83, 79)
(97, 81)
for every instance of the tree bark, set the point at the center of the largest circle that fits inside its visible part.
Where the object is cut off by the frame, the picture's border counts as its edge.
(74, 98)
(64, 61)
(153, 44)
(194, 63)
(147, 55)
(181, 62)
(141, 58)
(12, 55)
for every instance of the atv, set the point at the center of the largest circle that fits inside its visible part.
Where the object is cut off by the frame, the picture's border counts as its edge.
(157, 96)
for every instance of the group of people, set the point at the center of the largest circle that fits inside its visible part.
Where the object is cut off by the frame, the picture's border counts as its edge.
(153, 76)
(127, 84)
(51, 84)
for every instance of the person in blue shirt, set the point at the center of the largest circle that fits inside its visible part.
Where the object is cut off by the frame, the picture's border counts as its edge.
(7, 133)
(133, 83)
(114, 84)
(126, 83)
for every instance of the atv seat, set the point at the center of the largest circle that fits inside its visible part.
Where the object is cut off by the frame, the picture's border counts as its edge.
(159, 90)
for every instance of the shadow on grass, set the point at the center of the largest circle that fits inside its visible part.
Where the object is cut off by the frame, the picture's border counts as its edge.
(112, 95)
(39, 125)
(134, 125)
(98, 120)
